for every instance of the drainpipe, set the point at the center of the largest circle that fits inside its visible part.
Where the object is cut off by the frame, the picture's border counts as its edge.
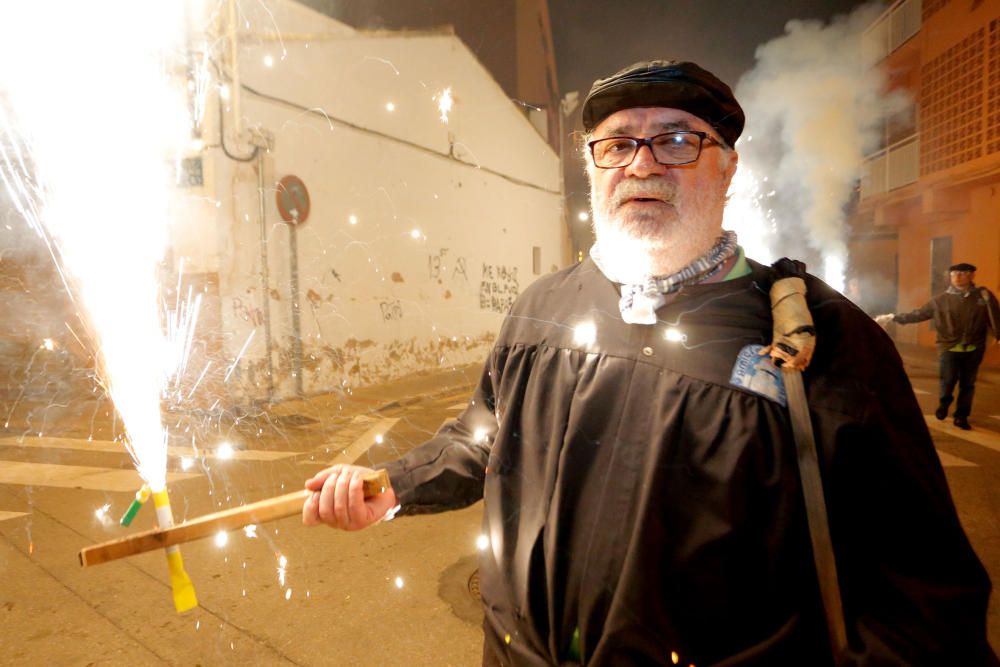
(265, 282)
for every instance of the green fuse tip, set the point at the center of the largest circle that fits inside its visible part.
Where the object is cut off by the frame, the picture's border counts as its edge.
(140, 497)
(130, 513)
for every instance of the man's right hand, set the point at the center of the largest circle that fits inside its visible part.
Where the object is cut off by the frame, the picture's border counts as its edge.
(883, 320)
(338, 499)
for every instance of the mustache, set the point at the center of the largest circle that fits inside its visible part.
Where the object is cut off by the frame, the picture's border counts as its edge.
(634, 188)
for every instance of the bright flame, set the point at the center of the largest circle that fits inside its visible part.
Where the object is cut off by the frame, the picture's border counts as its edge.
(833, 272)
(585, 333)
(110, 245)
(445, 103)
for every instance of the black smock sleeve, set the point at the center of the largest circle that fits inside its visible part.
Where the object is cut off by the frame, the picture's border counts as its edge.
(924, 312)
(447, 471)
(914, 591)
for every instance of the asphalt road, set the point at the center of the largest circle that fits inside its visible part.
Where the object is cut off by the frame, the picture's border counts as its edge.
(398, 594)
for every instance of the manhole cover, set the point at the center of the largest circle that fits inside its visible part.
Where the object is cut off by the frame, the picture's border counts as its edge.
(458, 585)
(474, 585)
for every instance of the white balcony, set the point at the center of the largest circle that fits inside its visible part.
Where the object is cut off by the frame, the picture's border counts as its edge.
(891, 167)
(896, 25)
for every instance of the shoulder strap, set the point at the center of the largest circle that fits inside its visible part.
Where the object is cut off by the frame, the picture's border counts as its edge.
(815, 502)
(798, 317)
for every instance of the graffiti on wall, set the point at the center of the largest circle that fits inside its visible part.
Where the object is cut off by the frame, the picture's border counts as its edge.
(442, 266)
(498, 287)
(247, 312)
(392, 310)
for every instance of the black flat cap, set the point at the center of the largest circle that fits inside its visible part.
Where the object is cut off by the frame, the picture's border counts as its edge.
(666, 83)
(964, 266)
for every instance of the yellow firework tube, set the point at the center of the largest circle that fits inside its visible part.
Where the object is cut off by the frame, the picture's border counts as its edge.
(180, 582)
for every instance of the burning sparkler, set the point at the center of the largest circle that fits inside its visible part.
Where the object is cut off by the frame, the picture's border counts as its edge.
(131, 124)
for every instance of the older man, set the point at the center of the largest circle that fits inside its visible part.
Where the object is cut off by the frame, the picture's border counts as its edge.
(962, 314)
(635, 453)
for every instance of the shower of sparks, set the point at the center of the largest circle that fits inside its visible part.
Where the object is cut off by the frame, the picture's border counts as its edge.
(224, 451)
(282, 569)
(97, 189)
(445, 103)
(239, 356)
(221, 539)
(186, 462)
(250, 531)
(747, 214)
(585, 333)
(49, 344)
(102, 512)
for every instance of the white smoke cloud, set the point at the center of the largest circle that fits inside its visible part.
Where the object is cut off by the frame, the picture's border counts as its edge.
(814, 106)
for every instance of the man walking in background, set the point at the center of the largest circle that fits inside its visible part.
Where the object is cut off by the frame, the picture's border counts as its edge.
(962, 315)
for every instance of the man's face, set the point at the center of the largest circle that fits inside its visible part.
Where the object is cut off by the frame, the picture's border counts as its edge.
(661, 205)
(962, 279)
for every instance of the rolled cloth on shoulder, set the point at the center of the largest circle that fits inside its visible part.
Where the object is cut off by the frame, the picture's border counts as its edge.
(794, 337)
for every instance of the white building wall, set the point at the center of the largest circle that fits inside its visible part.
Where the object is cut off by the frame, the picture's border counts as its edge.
(482, 189)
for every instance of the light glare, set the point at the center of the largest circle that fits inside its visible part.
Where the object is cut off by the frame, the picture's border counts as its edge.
(585, 333)
(221, 538)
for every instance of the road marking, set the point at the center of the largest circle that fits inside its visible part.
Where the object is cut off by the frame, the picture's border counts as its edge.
(71, 477)
(349, 446)
(921, 391)
(118, 448)
(980, 436)
(10, 515)
(950, 461)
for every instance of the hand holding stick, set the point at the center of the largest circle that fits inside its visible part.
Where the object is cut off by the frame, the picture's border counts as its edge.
(261, 511)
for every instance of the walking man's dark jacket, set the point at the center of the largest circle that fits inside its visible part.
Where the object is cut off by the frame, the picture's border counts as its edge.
(959, 318)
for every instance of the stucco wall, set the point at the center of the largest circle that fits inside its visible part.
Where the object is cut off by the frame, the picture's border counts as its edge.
(479, 192)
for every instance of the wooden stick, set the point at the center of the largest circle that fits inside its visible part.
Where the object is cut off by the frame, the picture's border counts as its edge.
(210, 524)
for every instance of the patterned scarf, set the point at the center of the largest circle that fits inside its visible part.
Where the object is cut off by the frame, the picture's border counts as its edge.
(639, 301)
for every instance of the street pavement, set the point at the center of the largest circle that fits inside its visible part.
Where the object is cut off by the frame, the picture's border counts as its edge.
(401, 593)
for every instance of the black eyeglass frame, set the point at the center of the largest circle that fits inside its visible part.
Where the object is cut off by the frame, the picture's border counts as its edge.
(648, 142)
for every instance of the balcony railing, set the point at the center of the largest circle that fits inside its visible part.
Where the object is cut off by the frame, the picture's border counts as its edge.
(896, 25)
(891, 167)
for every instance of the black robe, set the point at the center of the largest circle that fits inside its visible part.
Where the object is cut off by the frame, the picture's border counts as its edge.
(641, 487)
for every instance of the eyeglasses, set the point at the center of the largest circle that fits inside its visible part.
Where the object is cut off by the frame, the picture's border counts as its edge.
(669, 148)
